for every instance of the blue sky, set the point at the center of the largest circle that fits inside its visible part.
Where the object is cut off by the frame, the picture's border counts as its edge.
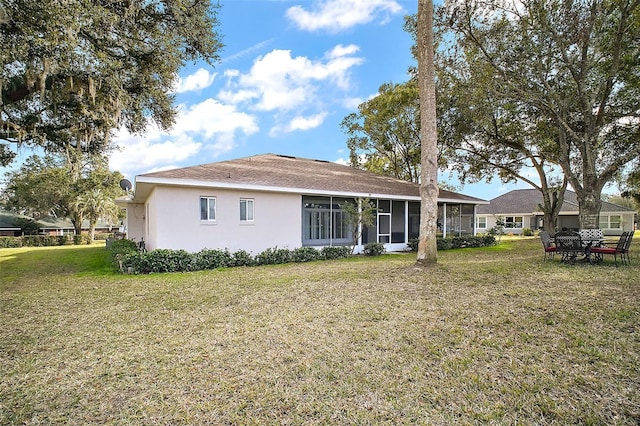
(290, 71)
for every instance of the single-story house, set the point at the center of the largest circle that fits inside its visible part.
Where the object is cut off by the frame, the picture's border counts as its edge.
(48, 225)
(7, 226)
(520, 209)
(270, 200)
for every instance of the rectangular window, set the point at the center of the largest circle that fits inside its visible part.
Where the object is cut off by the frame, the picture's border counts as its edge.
(481, 222)
(246, 210)
(514, 222)
(207, 208)
(610, 222)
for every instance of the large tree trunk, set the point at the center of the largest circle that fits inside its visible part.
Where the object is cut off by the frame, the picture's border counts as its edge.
(427, 246)
(589, 205)
(552, 200)
(76, 220)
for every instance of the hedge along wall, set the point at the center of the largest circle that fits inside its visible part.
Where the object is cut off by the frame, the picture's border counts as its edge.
(43, 241)
(128, 259)
(465, 241)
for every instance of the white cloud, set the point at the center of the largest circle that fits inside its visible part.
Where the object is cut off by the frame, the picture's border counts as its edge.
(300, 123)
(278, 81)
(146, 152)
(342, 161)
(211, 117)
(199, 80)
(337, 15)
(306, 123)
(352, 103)
(209, 126)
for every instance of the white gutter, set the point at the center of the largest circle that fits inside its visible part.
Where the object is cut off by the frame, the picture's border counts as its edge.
(263, 188)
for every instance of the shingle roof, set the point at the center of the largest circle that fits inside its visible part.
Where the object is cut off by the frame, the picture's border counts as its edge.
(281, 171)
(525, 201)
(7, 218)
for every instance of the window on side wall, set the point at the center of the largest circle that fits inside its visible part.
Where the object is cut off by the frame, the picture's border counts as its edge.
(513, 222)
(481, 222)
(208, 209)
(611, 222)
(246, 210)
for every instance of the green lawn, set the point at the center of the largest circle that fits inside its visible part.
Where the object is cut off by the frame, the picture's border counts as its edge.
(491, 335)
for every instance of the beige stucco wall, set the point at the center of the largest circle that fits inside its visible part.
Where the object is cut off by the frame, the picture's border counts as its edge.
(173, 216)
(135, 221)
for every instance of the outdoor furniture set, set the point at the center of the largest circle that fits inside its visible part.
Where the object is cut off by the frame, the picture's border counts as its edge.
(589, 244)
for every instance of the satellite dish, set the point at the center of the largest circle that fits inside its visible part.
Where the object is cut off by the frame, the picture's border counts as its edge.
(125, 185)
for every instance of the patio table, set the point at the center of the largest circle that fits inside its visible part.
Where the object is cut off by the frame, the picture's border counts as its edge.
(569, 245)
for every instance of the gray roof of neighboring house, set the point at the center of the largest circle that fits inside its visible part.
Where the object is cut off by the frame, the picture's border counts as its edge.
(293, 173)
(526, 201)
(7, 219)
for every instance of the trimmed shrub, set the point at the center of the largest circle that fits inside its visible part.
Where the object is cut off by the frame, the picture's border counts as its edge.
(119, 250)
(527, 232)
(464, 241)
(129, 259)
(10, 242)
(444, 243)
(40, 240)
(212, 259)
(242, 258)
(335, 252)
(160, 260)
(123, 247)
(374, 249)
(305, 254)
(274, 256)
(488, 240)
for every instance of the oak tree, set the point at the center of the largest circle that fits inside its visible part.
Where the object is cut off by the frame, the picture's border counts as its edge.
(568, 68)
(73, 71)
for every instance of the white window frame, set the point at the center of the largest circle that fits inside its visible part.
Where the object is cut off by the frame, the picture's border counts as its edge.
(514, 222)
(249, 212)
(208, 217)
(481, 225)
(606, 220)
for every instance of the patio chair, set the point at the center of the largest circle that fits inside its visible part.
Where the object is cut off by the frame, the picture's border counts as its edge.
(621, 249)
(627, 246)
(569, 245)
(548, 244)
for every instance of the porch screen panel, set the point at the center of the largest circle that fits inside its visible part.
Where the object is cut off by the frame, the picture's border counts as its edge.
(453, 219)
(340, 222)
(414, 220)
(384, 228)
(384, 221)
(466, 219)
(397, 222)
(324, 222)
(316, 220)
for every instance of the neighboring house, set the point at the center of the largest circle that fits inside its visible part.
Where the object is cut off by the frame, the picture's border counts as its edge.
(520, 209)
(48, 225)
(7, 228)
(268, 201)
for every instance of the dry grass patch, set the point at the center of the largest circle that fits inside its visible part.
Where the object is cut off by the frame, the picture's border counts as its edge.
(489, 336)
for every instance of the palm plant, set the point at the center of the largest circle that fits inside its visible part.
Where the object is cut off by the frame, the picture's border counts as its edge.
(94, 205)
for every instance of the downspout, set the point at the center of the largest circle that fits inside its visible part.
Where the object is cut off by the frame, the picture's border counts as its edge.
(406, 222)
(475, 230)
(359, 223)
(330, 221)
(444, 220)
